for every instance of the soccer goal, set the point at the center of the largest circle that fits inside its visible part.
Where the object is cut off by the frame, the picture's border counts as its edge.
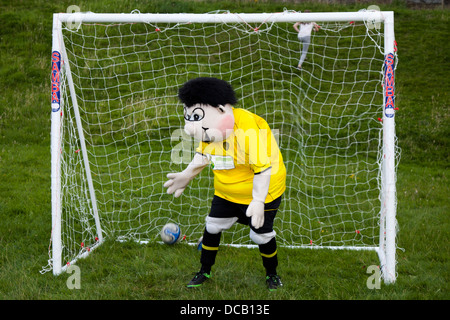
(117, 125)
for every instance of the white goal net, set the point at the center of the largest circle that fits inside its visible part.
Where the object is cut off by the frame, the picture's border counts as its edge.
(121, 120)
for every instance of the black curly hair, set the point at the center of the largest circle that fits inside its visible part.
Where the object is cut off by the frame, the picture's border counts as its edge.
(206, 90)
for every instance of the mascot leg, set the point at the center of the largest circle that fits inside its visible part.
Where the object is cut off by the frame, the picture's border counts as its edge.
(210, 246)
(268, 249)
(265, 238)
(211, 240)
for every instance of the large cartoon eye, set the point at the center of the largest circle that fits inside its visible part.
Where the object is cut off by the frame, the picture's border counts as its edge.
(196, 115)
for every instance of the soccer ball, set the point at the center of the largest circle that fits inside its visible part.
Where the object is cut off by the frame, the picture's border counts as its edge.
(170, 233)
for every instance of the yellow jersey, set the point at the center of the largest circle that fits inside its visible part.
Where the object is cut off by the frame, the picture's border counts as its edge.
(250, 149)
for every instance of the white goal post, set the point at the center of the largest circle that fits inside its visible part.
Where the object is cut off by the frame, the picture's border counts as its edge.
(116, 125)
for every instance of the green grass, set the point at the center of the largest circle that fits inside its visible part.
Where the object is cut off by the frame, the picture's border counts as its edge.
(130, 271)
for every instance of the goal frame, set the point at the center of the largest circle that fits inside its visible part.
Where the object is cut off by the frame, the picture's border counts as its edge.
(387, 242)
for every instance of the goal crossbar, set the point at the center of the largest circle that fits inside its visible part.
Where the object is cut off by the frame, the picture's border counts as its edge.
(226, 17)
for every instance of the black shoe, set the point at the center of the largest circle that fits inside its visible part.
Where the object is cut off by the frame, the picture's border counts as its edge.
(198, 279)
(273, 282)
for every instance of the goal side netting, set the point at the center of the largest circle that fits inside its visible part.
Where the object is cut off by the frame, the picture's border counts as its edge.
(118, 125)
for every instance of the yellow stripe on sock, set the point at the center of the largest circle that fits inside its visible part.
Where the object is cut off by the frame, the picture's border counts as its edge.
(209, 248)
(269, 255)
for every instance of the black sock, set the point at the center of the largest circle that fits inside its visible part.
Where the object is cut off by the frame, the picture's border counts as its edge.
(269, 256)
(210, 246)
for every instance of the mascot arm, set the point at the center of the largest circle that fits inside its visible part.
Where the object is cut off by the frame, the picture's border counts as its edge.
(178, 181)
(255, 209)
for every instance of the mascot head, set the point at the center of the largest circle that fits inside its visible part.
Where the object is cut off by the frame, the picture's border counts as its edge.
(208, 111)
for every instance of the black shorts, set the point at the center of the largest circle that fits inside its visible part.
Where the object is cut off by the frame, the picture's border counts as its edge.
(221, 208)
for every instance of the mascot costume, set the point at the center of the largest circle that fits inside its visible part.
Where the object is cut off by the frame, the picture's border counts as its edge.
(249, 174)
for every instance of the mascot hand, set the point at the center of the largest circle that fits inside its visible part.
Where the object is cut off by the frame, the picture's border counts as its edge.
(178, 181)
(255, 210)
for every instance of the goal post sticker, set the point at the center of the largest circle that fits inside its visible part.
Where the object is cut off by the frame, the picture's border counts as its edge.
(56, 70)
(389, 86)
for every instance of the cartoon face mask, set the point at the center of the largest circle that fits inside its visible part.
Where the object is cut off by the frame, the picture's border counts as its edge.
(207, 123)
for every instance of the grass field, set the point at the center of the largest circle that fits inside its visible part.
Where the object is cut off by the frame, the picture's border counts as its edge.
(131, 271)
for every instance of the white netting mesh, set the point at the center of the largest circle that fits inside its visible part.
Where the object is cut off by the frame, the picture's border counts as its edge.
(126, 78)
